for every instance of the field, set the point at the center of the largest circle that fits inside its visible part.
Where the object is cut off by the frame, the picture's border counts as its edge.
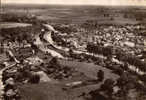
(12, 24)
(80, 14)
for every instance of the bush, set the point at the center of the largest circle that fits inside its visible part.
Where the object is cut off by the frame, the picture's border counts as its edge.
(34, 79)
(65, 29)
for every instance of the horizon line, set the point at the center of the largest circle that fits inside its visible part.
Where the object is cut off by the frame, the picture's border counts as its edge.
(68, 4)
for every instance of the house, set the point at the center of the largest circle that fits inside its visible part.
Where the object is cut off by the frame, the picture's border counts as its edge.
(3, 57)
(23, 52)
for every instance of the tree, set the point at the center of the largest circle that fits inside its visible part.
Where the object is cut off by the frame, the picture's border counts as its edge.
(71, 52)
(54, 61)
(100, 75)
(34, 79)
(90, 47)
(107, 87)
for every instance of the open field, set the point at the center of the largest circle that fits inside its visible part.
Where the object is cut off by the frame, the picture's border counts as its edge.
(79, 14)
(89, 69)
(4, 25)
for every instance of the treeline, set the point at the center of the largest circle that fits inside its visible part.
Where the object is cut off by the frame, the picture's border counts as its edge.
(20, 18)
(19, 34)
(120, 55)
(65, 29)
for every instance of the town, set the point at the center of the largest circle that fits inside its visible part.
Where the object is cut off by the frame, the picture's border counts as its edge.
(71, 61)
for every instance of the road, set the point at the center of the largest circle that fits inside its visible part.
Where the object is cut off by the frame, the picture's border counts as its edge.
(41, 45)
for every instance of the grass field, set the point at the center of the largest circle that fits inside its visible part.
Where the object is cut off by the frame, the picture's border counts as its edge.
(89, 69)
(4, 25)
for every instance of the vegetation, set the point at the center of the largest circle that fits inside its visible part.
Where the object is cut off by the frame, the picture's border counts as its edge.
(120, 55)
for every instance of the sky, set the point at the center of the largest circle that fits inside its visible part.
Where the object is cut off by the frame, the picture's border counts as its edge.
(80, 2)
